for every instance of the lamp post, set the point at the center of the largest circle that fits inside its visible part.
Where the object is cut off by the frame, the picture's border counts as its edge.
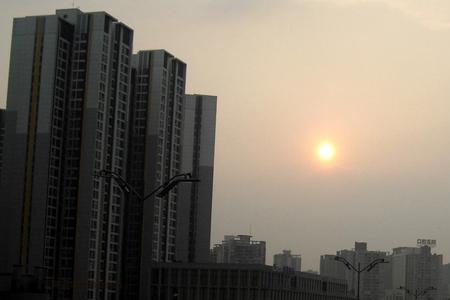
(358, 269)
(160, 191)
(418, 292)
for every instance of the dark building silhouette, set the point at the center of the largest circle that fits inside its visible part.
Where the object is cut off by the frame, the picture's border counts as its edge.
(23, 285)
(2, 137)
(239, 281)
(445, 281)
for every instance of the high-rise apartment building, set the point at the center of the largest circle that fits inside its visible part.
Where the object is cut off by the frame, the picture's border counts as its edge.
(288, 260)
(2, 136)
(195, 200)
(240, 249)
(416, 269)
(78, 103)
(372, 284)
(67, 118)
(155, 152)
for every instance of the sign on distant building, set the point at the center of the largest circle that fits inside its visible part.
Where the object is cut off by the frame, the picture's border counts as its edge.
(425, 242)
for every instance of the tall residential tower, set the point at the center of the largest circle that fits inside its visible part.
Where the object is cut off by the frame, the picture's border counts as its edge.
(79, 102)
(67, 117)
(195, 201)
(155, 156)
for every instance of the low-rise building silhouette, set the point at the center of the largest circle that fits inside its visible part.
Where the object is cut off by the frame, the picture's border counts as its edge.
(239, 281)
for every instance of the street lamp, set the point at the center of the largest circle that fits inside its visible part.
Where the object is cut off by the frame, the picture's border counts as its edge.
(418, 293)
(160, 191)
(358, 270)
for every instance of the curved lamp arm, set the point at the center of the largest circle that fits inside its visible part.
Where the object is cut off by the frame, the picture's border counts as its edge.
(160, 191)
(374, 263)
(346, 263)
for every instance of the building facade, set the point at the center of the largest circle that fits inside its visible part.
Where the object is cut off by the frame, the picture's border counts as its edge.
(372, 284)
(240, 249)
(288, 260)
(416, 269)
(236, 281)
(195, 200)
(330, 267)
(79, 102)
(2, 137)
(67, 118)
(445, 281)
(155, 154)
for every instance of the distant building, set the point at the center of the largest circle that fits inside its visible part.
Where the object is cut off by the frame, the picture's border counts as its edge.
(240, 249)
(2, 137)
(195, 200)
(331, 267)
(416, 269)
(372, 283)
(288, 260)
(238, 281)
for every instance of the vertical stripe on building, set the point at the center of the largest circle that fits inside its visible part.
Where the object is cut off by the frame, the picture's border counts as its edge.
(32, 124)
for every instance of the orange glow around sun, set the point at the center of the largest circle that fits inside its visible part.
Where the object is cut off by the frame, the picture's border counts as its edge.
(326, 151)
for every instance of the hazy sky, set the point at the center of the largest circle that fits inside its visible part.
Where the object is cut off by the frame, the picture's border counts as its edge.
(371, 76)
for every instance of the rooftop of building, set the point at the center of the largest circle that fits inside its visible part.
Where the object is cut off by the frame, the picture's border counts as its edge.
(240, 238)
(65, 13)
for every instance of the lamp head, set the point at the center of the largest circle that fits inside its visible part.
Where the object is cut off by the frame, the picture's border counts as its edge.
(170, 185)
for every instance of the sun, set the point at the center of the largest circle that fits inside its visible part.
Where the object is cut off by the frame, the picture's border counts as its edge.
(326, 151)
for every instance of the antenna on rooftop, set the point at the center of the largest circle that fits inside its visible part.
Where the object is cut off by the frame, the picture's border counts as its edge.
(74, 4)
